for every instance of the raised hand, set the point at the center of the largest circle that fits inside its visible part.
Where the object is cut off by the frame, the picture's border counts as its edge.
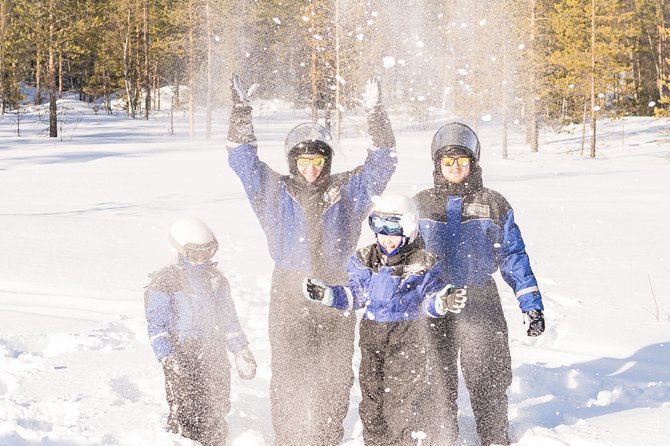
(379, 125)
(240, 95)
(241, 128)
(372, 94)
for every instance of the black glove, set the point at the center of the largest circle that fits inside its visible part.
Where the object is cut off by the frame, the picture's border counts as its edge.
(317, 291)
(536, 324)
(379, 125)
(380, 129)
(241, 129)
(246, 364)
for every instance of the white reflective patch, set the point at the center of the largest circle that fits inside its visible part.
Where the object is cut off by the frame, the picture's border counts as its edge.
(476, 210)
(530, 289)
(350, 298)
(159, 335)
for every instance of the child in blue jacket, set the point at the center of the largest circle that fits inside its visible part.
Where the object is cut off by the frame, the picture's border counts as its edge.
(398, 283)
(191, 319)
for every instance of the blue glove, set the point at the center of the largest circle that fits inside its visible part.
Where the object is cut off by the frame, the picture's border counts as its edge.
(450, 299)
(536, 324)
(316, 291)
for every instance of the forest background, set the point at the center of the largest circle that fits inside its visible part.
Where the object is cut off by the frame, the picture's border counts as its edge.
(535, 62)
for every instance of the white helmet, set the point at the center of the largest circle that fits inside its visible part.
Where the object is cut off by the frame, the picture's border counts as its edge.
(394, 214)
(193, 239)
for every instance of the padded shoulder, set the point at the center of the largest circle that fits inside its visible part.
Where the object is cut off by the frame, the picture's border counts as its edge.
(370, 256)
(166, 280)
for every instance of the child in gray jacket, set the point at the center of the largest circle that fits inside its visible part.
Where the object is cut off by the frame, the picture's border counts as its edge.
(191, 317)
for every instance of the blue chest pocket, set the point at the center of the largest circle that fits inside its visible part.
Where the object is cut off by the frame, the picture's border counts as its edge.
(406, 288)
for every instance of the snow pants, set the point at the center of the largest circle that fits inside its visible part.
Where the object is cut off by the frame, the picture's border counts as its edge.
(394, 378)
(480, 334)
(198, 395)
(312, 350)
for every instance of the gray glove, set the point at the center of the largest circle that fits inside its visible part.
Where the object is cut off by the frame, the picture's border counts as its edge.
(450, 299)
(246, 364)
(241, 128)
(379, 125)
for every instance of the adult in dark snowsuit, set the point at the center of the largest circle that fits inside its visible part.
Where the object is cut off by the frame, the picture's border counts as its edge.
(312, 221)
(472, 229)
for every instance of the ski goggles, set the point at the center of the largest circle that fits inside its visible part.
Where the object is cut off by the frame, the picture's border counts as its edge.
(319, 161)
(200, 253)
(385, 224)
(460, 160)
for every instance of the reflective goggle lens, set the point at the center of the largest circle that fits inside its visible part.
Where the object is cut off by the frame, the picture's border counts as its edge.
(461, 160)
(385, 225)
(316, 162)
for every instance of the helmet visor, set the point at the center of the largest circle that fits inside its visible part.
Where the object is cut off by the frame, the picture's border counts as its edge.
(307, 132)
(385, 224)
(196, 253)
(456, 135)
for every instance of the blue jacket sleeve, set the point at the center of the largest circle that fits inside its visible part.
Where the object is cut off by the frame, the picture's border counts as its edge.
(236, 340)
(515, 267)
(353, 296)
(260, 182)
(430, 286)
(158, 310)
(371, 178)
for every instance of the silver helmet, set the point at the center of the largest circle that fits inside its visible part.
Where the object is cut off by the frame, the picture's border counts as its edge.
(308, 131)
(308, 138)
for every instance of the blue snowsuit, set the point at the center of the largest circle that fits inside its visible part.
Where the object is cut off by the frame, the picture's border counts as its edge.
(397, 292)
(311, 230)
(191, 317)
(473, 229)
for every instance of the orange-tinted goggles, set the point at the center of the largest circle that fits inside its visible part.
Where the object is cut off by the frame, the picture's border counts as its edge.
(319, 161)
(461, 161)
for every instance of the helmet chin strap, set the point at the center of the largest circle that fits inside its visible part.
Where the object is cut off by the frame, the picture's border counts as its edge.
(402, 243)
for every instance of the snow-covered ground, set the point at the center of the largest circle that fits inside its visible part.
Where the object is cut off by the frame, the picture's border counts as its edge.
(83, 220)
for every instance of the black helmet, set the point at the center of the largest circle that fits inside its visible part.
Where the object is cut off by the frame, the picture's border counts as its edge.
(308, 138)
(455, 135)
